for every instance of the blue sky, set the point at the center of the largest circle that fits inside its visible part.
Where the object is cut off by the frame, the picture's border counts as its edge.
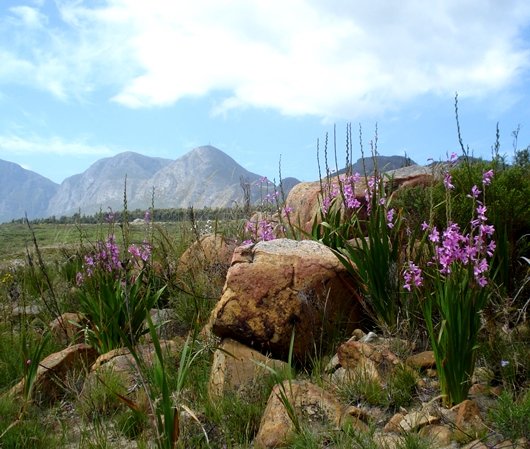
(81, 80)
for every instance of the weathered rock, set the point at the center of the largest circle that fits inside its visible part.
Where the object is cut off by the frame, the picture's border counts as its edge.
(416, 420)
(122, 363)
(468, 420)
(374, 360)
(212, 254)
(313, 406)
(393, 423)
(440, 436)
(305, 198)
(237, 369)
(422, 361)
(275, 286)
(54, 368)
(68, 328)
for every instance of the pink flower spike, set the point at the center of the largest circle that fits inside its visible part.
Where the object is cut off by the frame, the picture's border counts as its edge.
(424, 226)
(475, 192)
(390, 218)
(487, 177)
(434, 236)
(448, 181)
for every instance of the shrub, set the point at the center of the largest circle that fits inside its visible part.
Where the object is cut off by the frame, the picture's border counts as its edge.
(512, 417)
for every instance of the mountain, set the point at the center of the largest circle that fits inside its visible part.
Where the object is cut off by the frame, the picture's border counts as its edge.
(204, 177)
(23, 191)
(383, 163)
(102, 185)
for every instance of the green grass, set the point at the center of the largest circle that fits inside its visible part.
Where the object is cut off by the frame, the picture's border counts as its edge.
(511, 417)
(33, 430)
(54, 238)
(231, 421)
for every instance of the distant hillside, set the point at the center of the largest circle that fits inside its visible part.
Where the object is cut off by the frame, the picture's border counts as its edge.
(102, 185)
(383, 163)
(23, 191)
(204, 177)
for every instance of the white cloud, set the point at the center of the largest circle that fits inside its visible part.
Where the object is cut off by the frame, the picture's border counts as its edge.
(330, 59)
(31, 17)
(53, 145)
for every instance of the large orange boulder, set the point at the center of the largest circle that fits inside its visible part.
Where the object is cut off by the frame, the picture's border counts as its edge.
(276, 286)
(305, 199)
(211, 253)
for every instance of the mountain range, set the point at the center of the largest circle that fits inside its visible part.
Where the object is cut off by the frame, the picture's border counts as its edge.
(203, 177)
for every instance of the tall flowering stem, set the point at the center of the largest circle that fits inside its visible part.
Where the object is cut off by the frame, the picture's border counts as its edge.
(451, 288)
(115, 294)
(365, 232)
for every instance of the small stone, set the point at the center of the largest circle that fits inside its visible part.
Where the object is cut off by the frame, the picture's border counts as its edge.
(68, 328)
(417, 420)
(393, 425)
(439, 435)
(423, 360)
(357, 334)
(468, 420)
(237, 368)
(475, 444)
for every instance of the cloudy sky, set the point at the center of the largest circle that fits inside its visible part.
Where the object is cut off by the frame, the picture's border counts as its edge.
(86, 79)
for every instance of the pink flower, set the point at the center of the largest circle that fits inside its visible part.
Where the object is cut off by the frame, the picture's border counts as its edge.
(390, 218)
(287, 210)
(448, 181)
(412, 276)
(475, 192)
(434, 236)
(487, 176)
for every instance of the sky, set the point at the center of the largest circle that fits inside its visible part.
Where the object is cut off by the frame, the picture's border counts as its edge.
(81, 80)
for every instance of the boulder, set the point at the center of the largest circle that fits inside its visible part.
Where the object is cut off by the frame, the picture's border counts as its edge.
(468, 419)
(54, 369)
(422, 361)
(212, 254)
(166, 324)
(276, 286)
(305, 198)
(312, 406)
(238, 369)
(374, 360)
(68, 328)
(122, 363)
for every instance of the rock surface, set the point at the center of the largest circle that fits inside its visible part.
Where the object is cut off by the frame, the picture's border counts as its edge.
(312, 405)
(211, 253)
(275, 286)
(237, 368)
(305, 198)
(54, 368)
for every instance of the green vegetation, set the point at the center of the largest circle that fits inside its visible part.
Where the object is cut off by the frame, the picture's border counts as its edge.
(472, 313)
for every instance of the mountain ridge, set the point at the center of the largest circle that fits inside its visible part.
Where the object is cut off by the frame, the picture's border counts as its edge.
(23, 192)
(202, 177)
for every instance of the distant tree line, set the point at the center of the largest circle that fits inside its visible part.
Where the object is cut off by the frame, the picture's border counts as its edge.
(158, 215)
